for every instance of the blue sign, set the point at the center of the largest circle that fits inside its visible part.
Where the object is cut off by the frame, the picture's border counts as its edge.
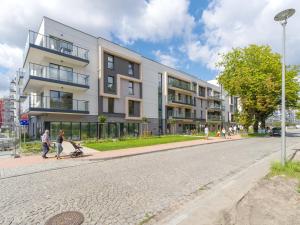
(24, 122)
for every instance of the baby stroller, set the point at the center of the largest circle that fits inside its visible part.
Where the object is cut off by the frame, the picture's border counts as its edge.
(78, 150)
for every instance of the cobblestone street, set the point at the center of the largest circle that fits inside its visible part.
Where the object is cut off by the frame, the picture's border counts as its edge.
(128, 190)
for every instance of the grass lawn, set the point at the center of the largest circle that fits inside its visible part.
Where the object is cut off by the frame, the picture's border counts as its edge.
(106, 145)
(291, 169)
(33, 147)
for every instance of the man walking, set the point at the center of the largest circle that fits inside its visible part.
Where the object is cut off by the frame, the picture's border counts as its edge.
(45, 144)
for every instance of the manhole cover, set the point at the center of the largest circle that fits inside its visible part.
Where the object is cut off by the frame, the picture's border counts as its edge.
(66, 218)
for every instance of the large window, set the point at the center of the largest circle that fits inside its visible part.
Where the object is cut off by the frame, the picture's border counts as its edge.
(130, 68)
(110, 62)
(130, 88)
(61, 100)
(66, 127)
(59, 72)
(75, 131)
(110, 83)
(133, 108)
(111, 103)
(61, 45)
(201, 91)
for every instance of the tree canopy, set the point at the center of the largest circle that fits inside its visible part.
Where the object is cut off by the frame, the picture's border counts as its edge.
(253, 74)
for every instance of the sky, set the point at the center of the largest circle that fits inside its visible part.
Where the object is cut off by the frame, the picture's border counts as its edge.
(189, 35)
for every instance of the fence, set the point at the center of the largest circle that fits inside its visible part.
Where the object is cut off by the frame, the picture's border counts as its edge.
(9, 139)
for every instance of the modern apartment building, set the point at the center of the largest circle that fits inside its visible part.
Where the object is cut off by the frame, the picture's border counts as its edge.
(70, 77)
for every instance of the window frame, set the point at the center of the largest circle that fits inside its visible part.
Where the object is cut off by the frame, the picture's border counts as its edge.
(110, 63)
(130, 68)
(110, 85)
(130, 87)
(111, 105)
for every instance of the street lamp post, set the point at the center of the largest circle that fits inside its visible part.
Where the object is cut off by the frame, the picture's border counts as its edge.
(282, 18)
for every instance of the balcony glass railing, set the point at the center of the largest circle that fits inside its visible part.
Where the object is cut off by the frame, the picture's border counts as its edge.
(49, 103)
(55, 44)
(181, 101)
(214, 96)
(180, 85)
(214, 117)
(57, 74)
(215, 107)
(177, 115)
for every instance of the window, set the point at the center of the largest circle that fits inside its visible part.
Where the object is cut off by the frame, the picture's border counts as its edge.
(133, 108)
(201, 91)
(201, 114)
(59, 72)
(110, 83)
(130, 88)
(130, 68)
(111, 105)
(61, 100)
(110, 62)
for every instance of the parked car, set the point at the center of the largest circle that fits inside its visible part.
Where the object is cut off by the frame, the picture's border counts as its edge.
(298, 126)
(276, 131)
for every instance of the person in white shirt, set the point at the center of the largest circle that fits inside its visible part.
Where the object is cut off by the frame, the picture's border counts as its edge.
(235, 129)
(45, 144)
(206, 132)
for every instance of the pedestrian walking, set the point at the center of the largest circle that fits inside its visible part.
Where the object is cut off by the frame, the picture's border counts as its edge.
(206, 132)
(223, 133)
(45, 144)
(235, 129)
(229, 132)
(59, 141)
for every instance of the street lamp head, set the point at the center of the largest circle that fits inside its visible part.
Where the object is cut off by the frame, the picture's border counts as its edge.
(284, 15)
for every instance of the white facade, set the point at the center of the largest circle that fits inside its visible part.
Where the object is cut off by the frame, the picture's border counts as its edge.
(63, 63)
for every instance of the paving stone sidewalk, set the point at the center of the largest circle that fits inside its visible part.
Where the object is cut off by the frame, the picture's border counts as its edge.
(10, 167)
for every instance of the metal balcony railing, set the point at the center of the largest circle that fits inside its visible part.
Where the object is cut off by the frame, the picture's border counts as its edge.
(55, 44)
(57, 74)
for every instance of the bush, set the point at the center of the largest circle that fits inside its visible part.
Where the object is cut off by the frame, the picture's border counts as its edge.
(33, 147)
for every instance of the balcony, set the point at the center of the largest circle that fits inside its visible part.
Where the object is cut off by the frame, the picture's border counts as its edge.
(181, 85)
(39, 75)
(35, 104)
(215, 108)
(176, 115)
(214, 118)
(176, 100)
(38, 45)
(217, 97)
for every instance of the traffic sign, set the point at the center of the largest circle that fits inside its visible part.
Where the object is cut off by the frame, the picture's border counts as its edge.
(24, 122)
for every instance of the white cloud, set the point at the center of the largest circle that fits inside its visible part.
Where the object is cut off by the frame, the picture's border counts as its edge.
(166, 59)
(158, 20)
(128, 20)
(237, 23)
(10, 57)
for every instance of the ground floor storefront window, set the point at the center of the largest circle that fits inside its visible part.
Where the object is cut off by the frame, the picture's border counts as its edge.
(86, 130)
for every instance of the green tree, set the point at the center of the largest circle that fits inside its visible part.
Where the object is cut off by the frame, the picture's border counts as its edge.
(102, 122)
(254, 74)
(298, 115)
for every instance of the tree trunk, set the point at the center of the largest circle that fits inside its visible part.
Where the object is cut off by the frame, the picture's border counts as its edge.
(255, 126)
(263, 123)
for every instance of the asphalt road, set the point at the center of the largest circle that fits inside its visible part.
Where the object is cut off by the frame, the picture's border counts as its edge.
(129, 190)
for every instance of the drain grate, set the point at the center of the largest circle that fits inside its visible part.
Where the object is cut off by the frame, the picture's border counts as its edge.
(66, 218)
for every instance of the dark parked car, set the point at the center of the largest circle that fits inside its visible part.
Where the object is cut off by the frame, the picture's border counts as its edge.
(276, 131)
